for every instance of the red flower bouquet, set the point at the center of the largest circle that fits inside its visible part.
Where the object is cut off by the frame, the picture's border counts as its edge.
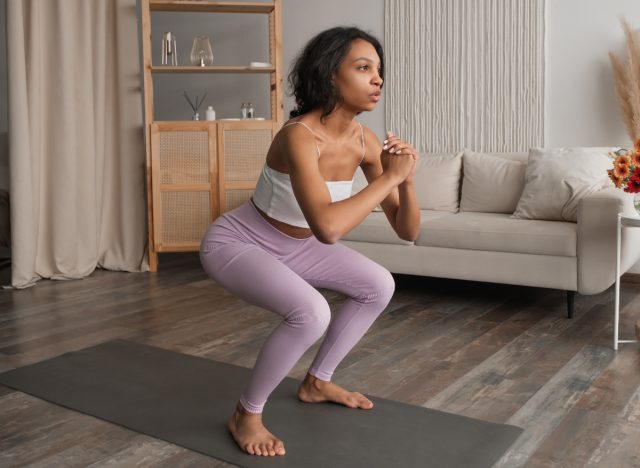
(625, 173)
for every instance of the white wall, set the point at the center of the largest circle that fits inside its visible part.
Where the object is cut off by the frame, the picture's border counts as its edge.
(581, 108)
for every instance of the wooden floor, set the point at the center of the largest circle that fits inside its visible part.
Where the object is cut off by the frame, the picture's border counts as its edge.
(496, 352)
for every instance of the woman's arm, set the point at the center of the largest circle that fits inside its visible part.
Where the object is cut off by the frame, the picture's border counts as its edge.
(330, 221)
(400, 206)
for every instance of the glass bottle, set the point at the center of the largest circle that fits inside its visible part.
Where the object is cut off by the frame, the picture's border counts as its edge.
(247, 110)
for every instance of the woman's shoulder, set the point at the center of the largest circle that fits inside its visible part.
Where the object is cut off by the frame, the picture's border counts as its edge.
(369, 134)
(370, 138)
(296, 136)
(295, 129)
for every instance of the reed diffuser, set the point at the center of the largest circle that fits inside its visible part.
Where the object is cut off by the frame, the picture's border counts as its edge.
(195, 106)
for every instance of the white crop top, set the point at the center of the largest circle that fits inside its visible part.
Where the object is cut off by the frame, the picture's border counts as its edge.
(274, 194)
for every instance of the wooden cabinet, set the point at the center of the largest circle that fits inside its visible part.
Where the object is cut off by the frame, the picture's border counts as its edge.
(197, 170)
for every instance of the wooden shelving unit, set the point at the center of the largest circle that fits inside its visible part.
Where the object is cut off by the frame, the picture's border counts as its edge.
(197, 170)
(210, 69)
(212, 6)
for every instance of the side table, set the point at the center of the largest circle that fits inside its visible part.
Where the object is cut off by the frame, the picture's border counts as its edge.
(630, 222)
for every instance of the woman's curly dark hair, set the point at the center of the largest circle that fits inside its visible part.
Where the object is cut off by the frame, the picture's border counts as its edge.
(310, 77)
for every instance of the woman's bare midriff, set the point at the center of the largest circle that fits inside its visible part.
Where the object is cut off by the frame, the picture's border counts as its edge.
(288, 229)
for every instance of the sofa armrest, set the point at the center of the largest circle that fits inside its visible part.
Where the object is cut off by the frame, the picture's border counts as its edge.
(596, 243)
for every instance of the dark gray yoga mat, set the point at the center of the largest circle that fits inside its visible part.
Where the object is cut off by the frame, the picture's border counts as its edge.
(187, 400)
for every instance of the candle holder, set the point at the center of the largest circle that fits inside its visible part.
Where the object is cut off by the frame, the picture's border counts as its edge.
(169, 49)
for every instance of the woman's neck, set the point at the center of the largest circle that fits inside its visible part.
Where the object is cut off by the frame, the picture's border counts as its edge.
(337, 124)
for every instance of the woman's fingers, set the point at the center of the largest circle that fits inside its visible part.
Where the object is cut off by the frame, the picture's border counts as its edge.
(398, 147)
(395, 145)
(389, 142)
(403, 148)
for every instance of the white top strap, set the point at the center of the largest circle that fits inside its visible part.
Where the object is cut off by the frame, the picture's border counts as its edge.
(308, 128)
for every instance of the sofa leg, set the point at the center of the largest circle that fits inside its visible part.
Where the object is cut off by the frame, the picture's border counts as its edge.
(571, 304)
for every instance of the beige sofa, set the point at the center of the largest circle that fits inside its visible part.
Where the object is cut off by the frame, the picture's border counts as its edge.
(458, 241)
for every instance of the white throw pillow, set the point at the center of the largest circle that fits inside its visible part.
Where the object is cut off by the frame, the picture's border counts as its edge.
(546, 194)
(437, 182)
(491, 184)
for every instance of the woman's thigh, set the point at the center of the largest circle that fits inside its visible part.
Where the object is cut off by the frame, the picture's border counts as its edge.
(339, 268)
(259, 278)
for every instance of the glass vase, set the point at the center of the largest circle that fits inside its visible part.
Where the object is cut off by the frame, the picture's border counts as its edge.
(201, 52)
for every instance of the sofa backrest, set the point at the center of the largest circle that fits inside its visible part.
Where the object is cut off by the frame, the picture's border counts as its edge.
(439, 183)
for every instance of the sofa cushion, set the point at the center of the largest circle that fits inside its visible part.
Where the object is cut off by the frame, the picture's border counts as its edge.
(492, 183)
(437, 182)
(500, 233)
(376, 228)
(545, 194)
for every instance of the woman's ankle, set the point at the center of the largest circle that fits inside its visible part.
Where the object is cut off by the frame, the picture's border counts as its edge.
(314, 381)
(242, 411)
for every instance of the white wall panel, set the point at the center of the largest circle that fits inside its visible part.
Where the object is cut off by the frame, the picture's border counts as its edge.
(465, 73)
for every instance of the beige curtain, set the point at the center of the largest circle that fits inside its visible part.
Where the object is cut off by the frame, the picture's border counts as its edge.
(75, 139)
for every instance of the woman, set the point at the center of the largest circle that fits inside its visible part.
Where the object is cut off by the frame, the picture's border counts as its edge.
(277, 248)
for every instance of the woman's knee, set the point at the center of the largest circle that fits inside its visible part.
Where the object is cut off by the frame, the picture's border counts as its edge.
(380, 287)
(312, 316)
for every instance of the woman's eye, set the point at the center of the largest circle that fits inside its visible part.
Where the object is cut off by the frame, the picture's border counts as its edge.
(363, 67)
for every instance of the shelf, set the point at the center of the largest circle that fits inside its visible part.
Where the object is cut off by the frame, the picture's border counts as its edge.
(210, 6)
(210, 69)
(204, 123)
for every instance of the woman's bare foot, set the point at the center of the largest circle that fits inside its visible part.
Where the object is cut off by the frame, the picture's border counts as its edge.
(314, 390)
(251, 436)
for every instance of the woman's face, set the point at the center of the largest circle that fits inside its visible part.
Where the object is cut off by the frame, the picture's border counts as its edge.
(357, 79)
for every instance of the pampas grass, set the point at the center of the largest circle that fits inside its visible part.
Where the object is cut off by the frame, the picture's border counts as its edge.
(627, 81)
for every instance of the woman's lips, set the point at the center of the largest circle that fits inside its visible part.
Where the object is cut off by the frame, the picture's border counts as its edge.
(375, 97)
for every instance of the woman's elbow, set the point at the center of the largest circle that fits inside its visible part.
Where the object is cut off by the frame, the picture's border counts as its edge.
(326, 234)
(409, 236)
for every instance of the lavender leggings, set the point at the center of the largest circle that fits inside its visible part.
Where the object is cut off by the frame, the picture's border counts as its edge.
(255, 261)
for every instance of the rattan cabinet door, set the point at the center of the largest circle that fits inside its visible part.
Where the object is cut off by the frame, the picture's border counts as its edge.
(242, 150)
(184, 183)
